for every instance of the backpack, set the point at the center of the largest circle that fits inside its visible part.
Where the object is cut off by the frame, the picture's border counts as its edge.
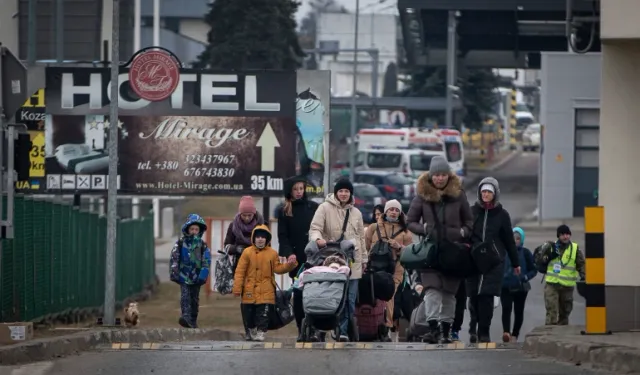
(542, 255)
(381, 255)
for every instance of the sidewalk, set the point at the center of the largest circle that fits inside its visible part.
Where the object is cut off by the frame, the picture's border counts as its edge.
(619, 352)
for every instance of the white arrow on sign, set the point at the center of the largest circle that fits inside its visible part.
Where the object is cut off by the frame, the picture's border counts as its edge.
(268, 142)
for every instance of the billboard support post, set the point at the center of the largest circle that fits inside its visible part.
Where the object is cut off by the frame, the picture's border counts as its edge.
(112, 190)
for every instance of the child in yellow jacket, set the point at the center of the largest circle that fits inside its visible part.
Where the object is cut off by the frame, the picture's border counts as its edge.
(254, 280)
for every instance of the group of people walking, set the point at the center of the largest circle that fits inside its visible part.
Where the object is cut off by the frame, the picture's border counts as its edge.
(440, 211)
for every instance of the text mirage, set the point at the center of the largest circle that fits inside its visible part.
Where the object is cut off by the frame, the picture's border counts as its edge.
(178, 128)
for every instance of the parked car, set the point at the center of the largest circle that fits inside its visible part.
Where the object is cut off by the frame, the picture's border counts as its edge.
(367, 196)
(392, 185)
(531, 138)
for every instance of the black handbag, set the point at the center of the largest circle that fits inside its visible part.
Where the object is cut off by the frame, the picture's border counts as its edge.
(485, 254)
(281, 314)
(452, 258)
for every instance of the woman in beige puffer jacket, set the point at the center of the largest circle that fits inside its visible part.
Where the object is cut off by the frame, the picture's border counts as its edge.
(326, 226)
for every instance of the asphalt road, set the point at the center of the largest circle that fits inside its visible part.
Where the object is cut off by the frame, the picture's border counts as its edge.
(311, 362)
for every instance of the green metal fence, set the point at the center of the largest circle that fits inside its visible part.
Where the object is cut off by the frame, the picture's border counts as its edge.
(55, 265)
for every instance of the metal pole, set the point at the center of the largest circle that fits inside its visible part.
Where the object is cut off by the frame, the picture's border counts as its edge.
(59, 30)
(137, 24)
(2, 135)
(354, 116)
(156, 22)
(375, 75)
(11, 183)
(540, 172)
(451, 61)
(31, 33)
(112, 193)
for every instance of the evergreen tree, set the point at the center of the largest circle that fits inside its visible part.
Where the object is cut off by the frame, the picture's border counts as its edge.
(476, 91)
(252, 34)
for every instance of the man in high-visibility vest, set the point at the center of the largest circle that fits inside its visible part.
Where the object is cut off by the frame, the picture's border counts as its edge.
(566, 266)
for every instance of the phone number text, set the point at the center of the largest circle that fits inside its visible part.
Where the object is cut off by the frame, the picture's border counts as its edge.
(210, 159)
(210, 172)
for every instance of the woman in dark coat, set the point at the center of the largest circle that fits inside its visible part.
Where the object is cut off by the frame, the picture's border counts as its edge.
(492, 227)
(294, 221)
(440, 191)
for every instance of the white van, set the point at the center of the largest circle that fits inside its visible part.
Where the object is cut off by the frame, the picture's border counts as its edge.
(411, 162)
(454, 150)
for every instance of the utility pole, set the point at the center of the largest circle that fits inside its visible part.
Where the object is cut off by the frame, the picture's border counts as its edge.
(354, 116)
(31, 33)
(109, 318)
(451, 67)
(59, 31)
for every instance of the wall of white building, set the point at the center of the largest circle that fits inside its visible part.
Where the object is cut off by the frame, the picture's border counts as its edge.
(374, 31)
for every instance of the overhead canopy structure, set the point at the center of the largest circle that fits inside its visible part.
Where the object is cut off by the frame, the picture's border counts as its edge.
(488, 29)
(409, 103)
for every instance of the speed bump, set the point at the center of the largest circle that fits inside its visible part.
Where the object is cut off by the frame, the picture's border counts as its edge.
(243, 345)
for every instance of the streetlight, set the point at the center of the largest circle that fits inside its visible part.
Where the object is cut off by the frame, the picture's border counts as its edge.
(354, 118)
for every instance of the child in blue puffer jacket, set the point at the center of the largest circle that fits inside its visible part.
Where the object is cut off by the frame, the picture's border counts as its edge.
(515, 288)
(189, 266)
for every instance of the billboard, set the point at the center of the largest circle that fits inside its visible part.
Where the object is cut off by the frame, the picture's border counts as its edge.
(219, 133)
(312, 120)
(33, 115)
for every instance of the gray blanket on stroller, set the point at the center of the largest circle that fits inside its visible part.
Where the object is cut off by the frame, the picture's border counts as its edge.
(322, 292)
(315, 255)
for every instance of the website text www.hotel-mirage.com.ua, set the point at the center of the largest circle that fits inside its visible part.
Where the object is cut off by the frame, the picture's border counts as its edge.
(187, 186)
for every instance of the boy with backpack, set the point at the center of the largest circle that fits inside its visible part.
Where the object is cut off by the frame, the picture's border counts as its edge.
(189, 266)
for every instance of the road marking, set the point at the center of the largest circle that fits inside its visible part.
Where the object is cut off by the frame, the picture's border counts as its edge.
(241, 345)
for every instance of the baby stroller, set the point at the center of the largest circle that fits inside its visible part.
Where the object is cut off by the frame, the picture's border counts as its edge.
(324, 295)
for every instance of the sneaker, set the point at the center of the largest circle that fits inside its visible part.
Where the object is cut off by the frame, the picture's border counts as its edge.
(514, 339)
(343, 338)
(259, 336)
(455, 335)
(253, 333)
(506, 337)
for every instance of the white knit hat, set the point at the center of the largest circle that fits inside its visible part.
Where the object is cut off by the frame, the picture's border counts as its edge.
(488, 187)
(392, 203)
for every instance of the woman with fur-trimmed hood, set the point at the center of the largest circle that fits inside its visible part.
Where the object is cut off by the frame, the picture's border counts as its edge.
(440, 191)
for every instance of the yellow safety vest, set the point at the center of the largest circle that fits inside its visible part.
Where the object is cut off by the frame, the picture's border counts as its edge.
(562, 270)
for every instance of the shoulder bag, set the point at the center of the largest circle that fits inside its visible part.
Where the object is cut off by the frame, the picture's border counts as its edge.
(485, 254)
(453, 258)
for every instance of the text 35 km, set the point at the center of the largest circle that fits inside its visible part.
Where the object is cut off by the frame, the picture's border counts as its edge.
(210, 159)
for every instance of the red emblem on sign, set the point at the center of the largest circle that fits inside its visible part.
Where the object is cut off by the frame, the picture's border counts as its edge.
(154, 75)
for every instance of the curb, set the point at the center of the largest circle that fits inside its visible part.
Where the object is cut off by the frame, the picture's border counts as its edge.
(57, 347)
(609, 357)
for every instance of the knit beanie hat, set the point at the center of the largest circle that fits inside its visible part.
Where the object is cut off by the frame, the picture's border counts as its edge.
(392, 204)
(563, 229)
(439, 165)
(247, 206)
(343, 183)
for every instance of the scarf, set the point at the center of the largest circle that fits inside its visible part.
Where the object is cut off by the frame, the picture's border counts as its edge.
(242, 230)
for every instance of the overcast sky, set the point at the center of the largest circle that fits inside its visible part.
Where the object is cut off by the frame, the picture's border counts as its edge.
(366, 6)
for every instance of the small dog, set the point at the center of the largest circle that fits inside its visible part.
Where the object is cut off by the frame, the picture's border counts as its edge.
(131, 315)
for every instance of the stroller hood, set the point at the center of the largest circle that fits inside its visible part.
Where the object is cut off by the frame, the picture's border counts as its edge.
(316, 256)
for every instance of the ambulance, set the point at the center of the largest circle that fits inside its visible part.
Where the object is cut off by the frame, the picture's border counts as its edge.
(445, 141)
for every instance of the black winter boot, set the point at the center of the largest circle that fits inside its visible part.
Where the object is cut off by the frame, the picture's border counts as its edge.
(433, 335)
(445, 333)
(483, 334)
